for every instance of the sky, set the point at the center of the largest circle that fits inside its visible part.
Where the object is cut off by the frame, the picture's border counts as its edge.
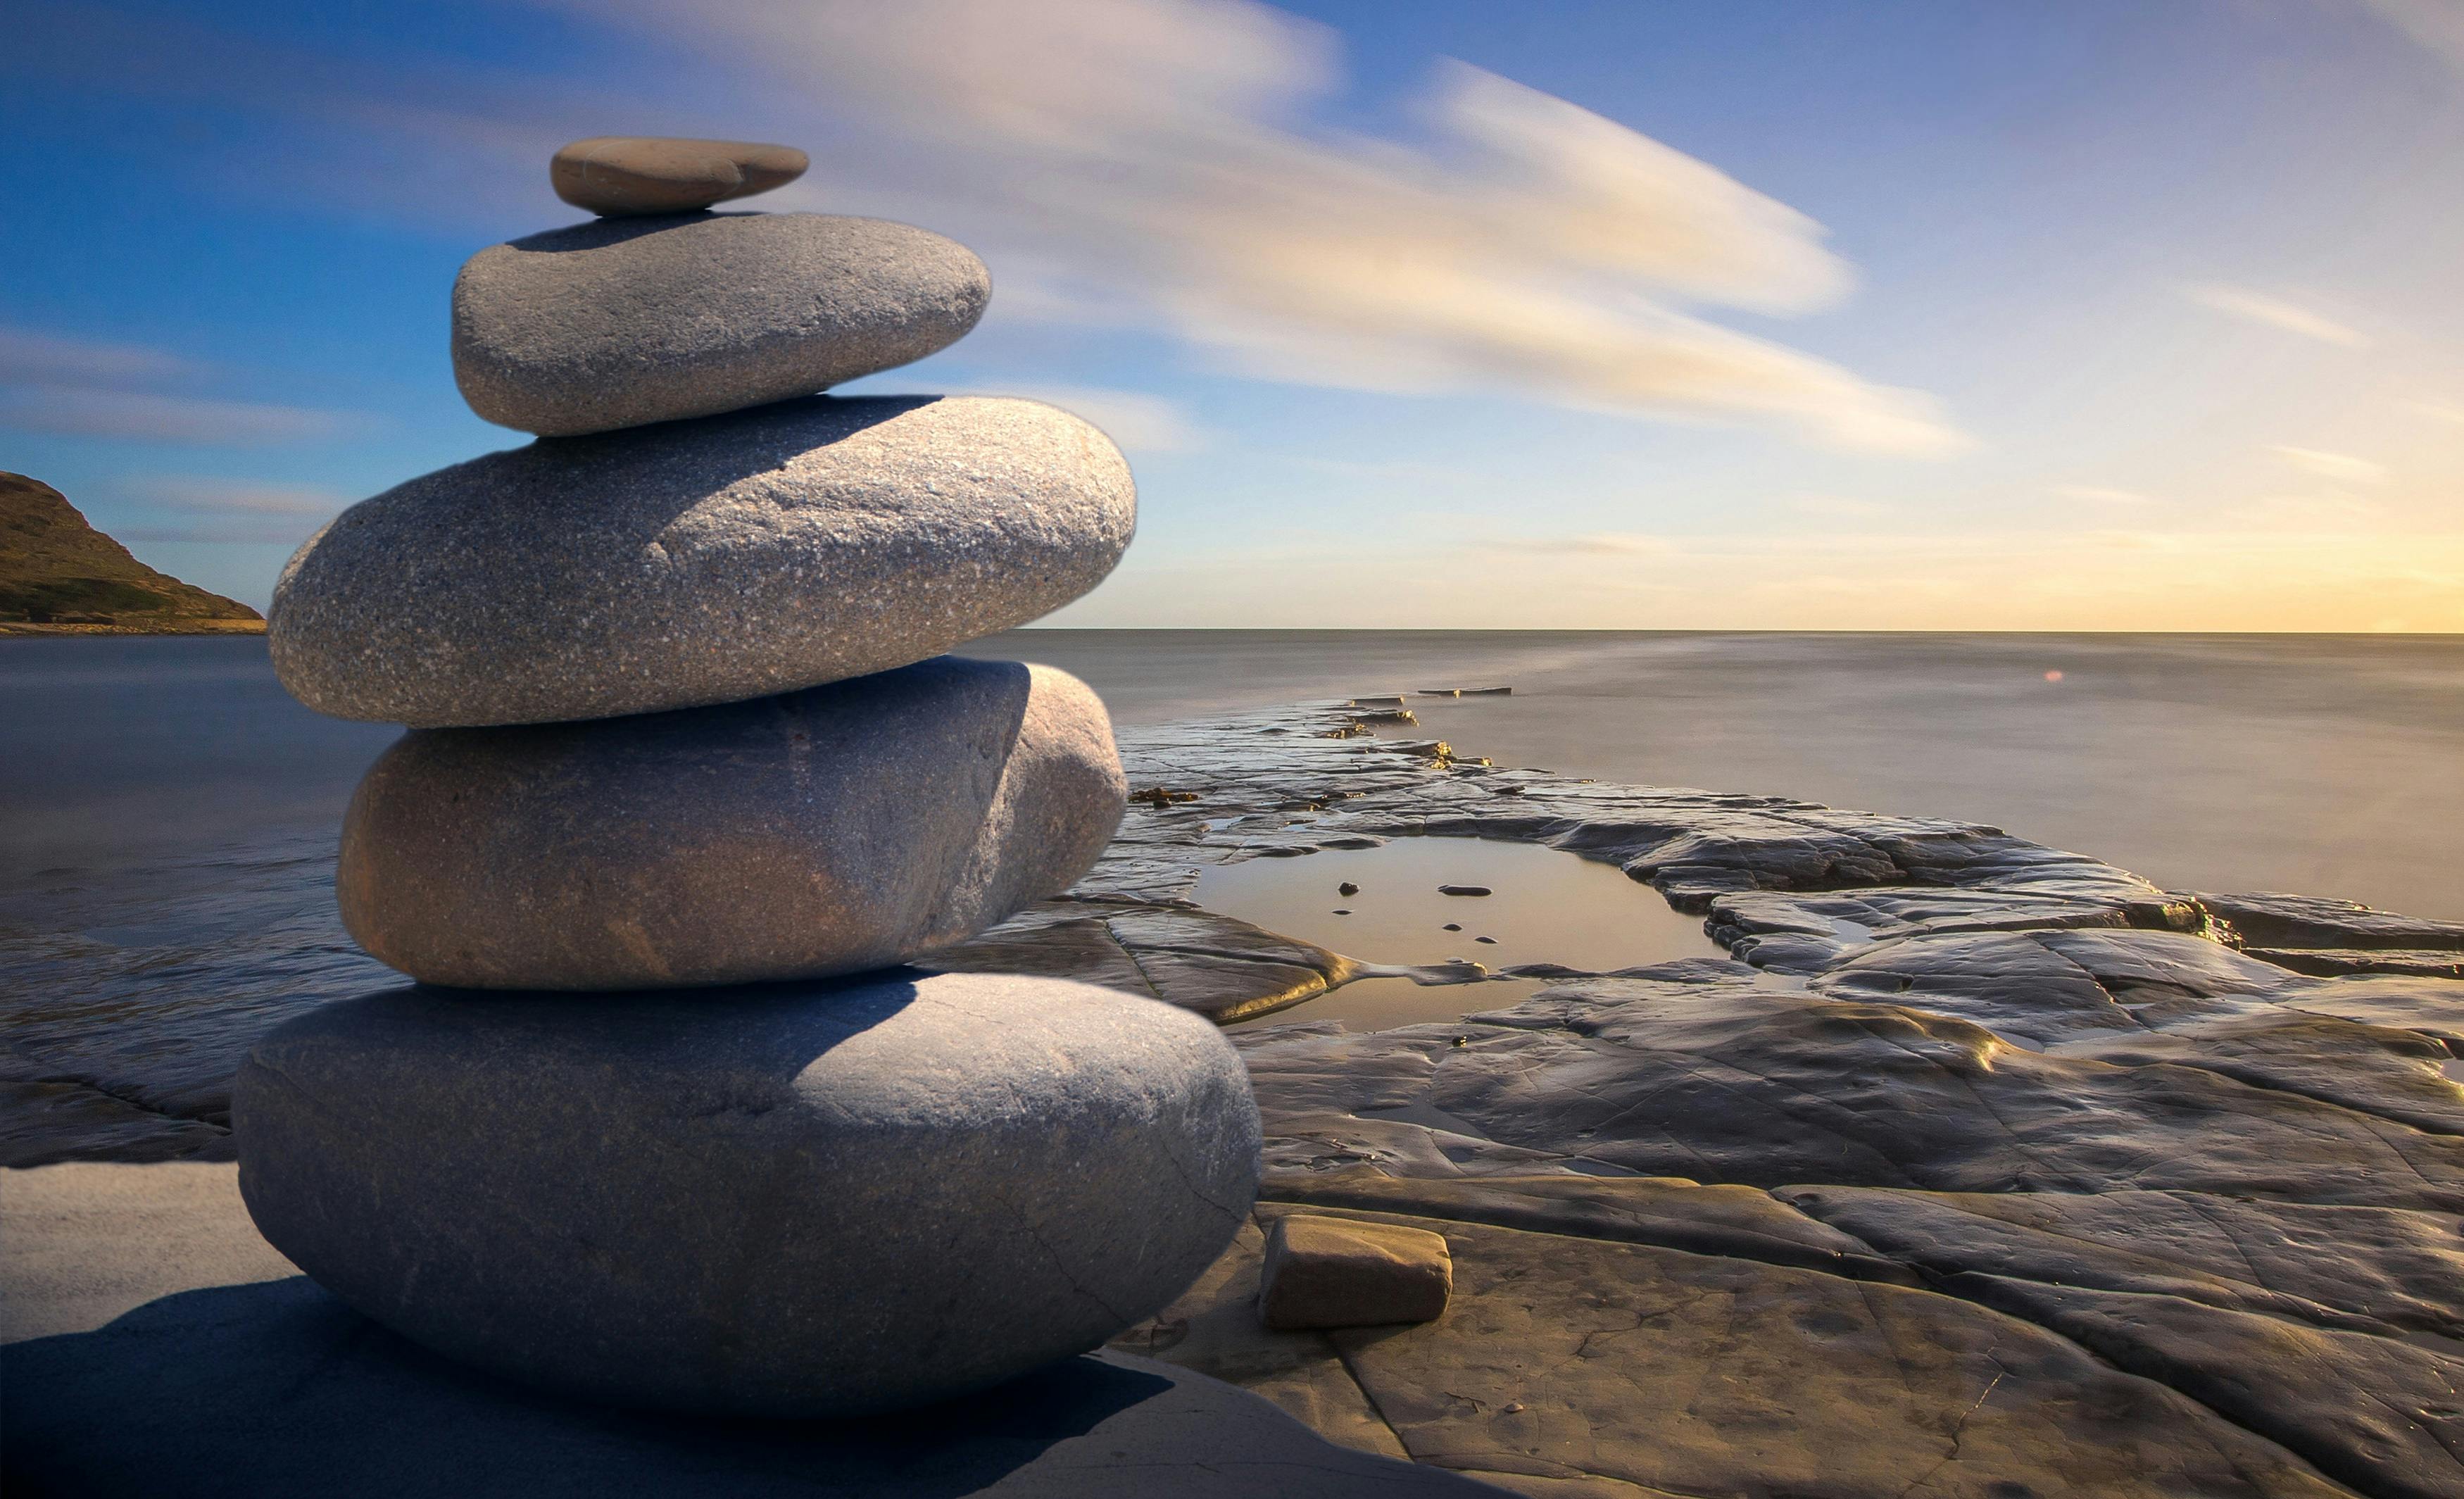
(1726, 314)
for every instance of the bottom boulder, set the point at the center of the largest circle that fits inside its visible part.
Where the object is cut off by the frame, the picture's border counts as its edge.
(814, 1200)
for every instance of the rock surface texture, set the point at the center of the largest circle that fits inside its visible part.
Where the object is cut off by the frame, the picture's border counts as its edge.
(812, 1202)
(625, 322)
(629, 174)
(700, 563)
(839, 828)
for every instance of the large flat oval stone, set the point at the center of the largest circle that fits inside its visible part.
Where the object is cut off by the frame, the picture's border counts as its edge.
(701, 563)
(621, 322)
(629, 174)
(818, 1200)
(822, 832)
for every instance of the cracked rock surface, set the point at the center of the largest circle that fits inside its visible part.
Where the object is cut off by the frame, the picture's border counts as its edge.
(1981, 1168)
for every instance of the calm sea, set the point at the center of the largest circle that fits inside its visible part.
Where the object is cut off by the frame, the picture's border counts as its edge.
(136, 775)
(2325, 765)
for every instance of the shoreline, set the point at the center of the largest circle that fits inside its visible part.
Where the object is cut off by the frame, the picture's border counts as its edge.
(25, 630)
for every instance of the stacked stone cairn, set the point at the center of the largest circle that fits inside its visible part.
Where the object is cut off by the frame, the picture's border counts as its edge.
(688, 772)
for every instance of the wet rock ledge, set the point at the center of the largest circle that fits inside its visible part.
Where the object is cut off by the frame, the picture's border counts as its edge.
(1980, 1167)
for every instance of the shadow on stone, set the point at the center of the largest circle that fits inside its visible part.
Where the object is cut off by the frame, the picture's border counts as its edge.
(278, 1389)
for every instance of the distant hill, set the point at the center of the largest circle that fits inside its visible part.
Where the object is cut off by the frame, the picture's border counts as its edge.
(60, 576)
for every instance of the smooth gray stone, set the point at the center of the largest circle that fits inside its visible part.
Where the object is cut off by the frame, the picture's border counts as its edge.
(620, 323)
(826, 831)
(708, 563)
(788, 1202)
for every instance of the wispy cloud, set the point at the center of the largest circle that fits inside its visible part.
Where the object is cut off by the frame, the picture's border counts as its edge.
(2098, 495)
(1155, 148)
(1160, 164)
(2437, 411)
(2308, 513)
(81, 388)
(257, 535)
(1603, 543)
(2438, 25)
(225, 496)
(1839, 507)
(143, 417)
(1137, 421)
(2240, 302)
(37, 358)
(2341, 467)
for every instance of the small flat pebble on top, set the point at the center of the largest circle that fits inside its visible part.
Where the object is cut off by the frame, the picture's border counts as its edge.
(618, 175)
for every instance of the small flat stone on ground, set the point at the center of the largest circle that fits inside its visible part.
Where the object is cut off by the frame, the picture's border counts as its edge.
(1347, 1273)
(629, 175)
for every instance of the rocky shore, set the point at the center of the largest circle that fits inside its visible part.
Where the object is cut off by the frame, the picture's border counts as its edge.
(1978, 1167)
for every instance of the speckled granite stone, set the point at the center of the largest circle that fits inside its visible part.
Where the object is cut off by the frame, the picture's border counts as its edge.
(702, 562)
(789, 1202)
(624, 322)
(626, 174)
(820, 833)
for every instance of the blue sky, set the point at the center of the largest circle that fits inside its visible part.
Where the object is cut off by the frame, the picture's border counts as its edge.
(1737, 315)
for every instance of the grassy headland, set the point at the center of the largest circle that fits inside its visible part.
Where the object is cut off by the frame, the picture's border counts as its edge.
(59, 576)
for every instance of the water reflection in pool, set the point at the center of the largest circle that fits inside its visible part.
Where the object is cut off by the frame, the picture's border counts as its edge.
(1545, 906)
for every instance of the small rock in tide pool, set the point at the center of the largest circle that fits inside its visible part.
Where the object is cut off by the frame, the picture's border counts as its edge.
(1453, 926)
(1346, 887)
(1463, 889)
(1490, 939)
(1338, 1273)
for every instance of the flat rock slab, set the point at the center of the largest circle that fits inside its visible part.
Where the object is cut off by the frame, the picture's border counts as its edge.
(202, 1377)
(629, 174)
(1573, 1366)
(626, 321)
(778, 1201)
(702, 562)
(2376, 1269)
(1707, 1070)
(833, 830)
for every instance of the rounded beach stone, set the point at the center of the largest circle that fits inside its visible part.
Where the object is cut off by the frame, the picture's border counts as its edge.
(626, 174)
(816, 1201)
(621, 322)
(733, 558)
(822, 832)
